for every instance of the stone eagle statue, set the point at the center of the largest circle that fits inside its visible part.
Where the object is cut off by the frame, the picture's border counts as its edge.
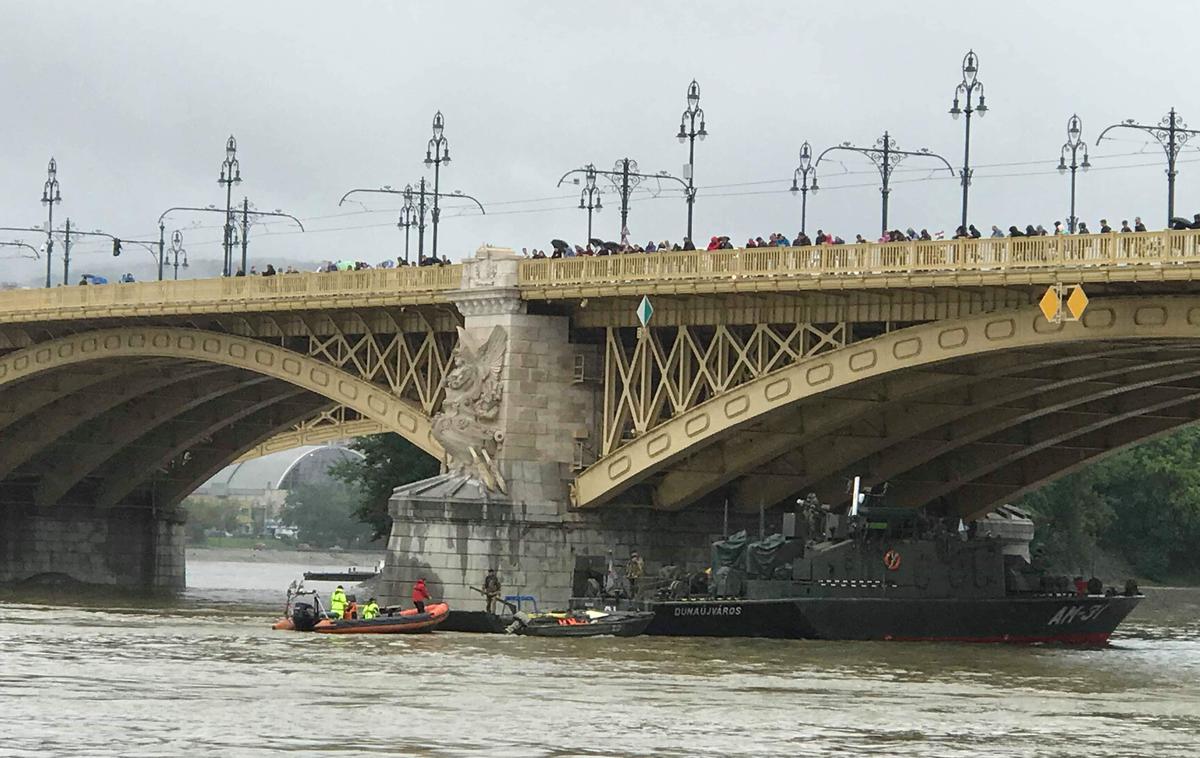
(466, 425)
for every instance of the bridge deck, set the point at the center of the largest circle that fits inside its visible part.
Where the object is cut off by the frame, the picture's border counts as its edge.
(284, 292)
(1140, 257)
(1137, 257)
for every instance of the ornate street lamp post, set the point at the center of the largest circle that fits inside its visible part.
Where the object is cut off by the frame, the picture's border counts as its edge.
(800, 183)
(625, 177)
(689, 133)
(231, 174)
(411, 214)
(967, 89)
(1073, 145)
(589, 198)
(885, 155)
(408, 218)
(1171, 132)
(437, 152)
(178, 251)
(50, 196)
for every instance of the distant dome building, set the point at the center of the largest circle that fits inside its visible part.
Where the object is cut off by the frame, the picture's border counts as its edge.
(260, 485)
(278, 471)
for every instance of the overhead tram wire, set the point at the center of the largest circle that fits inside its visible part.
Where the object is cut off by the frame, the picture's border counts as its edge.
(646, 196)
(669, 192)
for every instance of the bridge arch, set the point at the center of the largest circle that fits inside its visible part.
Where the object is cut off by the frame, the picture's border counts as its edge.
(913, 355)
(338, 386)
(153, 399)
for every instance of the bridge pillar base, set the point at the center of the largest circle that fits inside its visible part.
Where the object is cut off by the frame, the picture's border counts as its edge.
(441, 532)
(132, 548)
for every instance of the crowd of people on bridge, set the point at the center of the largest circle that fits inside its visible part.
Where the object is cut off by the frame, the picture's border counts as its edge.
(596, 247)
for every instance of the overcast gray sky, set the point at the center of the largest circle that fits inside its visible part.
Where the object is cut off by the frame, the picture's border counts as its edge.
(135, 101)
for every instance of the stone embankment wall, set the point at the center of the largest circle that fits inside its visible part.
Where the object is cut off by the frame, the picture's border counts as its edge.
(452, 545)
(132, 548)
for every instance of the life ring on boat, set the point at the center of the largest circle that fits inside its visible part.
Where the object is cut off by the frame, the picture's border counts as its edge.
(891, 559)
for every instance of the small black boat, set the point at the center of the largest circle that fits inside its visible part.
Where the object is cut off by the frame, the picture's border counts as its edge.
(588, 623)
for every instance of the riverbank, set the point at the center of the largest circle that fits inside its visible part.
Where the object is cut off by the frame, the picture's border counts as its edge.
(315, 559)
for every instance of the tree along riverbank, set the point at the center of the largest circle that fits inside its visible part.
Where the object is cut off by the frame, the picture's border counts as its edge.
(1139, 508)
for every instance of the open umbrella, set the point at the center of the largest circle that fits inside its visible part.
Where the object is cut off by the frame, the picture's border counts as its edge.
(559, 244)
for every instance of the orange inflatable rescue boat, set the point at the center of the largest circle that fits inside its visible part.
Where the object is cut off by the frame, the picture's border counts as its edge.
(305, 615)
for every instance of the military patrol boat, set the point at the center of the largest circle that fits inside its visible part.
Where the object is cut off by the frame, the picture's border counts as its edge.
(889, 573)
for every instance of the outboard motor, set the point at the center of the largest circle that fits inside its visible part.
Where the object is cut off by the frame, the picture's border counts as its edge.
(304, 617)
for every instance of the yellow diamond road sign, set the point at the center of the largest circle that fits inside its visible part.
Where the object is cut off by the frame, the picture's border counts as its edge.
(1050, 303)
(1077, 302)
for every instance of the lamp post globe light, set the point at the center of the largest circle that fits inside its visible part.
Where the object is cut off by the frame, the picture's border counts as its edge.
(800, 183)
(967, 89)
(1073, 146)
(437, 152)
(689, 133)
(50, 196)
(231, 174)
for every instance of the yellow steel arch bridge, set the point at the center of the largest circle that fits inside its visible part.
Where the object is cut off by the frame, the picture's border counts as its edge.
(763, 374)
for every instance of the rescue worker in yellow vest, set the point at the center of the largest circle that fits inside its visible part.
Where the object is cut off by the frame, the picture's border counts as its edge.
(370, 610)
(337, 602)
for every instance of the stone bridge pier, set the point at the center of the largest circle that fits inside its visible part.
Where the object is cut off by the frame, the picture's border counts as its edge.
(537, 406)
(135, 548)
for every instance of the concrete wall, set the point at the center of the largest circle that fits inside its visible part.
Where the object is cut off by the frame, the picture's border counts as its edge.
(453, 545)
(131, 548)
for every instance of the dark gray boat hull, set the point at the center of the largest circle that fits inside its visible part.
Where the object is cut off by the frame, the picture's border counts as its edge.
(1087, 620)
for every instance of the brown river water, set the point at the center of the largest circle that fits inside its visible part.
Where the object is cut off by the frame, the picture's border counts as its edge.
(205, 675)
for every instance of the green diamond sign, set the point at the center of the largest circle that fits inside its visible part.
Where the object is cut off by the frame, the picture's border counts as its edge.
(645, 310)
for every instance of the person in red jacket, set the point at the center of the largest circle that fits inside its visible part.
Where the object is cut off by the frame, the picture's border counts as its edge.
(420, 595)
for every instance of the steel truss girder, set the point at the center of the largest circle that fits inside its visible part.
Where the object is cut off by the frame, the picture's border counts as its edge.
(411, 365)
(671, 370)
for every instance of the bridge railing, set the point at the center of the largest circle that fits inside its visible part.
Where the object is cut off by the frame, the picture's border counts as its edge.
(232, 290)
(882, 259)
